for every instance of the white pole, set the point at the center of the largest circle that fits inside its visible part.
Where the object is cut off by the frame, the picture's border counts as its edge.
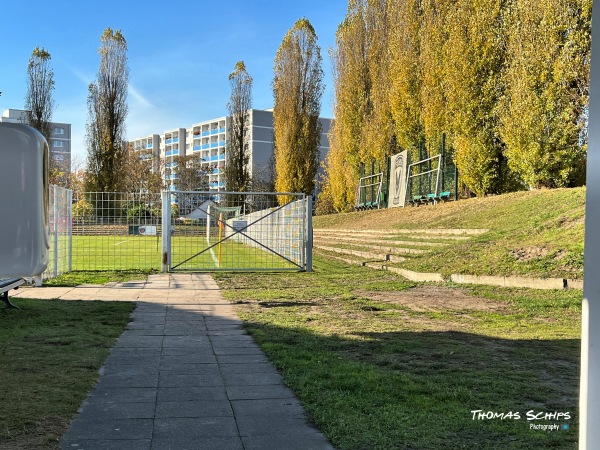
(166, 231)
(589, 393)
(56, 219)
(309, 234)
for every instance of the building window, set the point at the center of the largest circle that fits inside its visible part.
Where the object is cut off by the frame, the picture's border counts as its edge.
(57, 144)
(59, 130)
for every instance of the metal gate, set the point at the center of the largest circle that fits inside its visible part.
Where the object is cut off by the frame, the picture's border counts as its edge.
(232, 231)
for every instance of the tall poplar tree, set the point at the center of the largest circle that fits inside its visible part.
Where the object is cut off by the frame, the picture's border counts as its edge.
(380, 141)
(39, 106)
(433, 65)
(544, 111)
(405, 73)
(351, 88)
(474, 52)
(237, 172)
(39, 103)
(297, 91)
(107, 111)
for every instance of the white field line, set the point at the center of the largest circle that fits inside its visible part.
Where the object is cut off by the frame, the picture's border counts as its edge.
(119, 243)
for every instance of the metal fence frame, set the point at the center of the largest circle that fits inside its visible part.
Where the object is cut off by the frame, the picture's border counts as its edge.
(60, 233)
(282, 232)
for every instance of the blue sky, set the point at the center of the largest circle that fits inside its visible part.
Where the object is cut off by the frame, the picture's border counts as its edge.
(180, 54)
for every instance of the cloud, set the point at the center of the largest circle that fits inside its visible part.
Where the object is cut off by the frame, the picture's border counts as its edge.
(84, 78)
(139, 98)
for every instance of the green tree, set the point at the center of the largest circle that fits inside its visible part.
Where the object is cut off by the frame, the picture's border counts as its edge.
(297, 91)
(39, 106)
(39, 103)
(351, 88)
(544, 111)
(378, 125)
(433, 67)
(140, 175)
(237, 171)
(474, 52)
(405, 73)
(107, 111)
(188, 172)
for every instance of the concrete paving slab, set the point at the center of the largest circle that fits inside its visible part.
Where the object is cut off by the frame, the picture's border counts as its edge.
(251, 379)
(112, 430)
(198, 443)
(184, 375)
(109, 444)
(195, 427)
(271, 391)
(168, 379)
(201, 408)
(117, 410)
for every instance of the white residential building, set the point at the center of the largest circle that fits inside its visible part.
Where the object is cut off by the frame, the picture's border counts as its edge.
(208, 139)
(60, 138)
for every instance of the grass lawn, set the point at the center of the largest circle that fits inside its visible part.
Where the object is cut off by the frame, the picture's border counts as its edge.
(110, 253)
(383, 363)
(50, 353)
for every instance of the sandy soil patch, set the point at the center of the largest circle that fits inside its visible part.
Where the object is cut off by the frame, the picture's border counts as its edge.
(435, 298)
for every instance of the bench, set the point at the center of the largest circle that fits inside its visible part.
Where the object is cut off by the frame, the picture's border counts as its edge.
(6, 284)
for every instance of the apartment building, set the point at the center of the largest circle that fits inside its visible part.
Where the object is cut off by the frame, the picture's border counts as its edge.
(60, 138)
(208, 139)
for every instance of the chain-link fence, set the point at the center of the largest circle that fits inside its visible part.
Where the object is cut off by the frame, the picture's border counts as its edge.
(59, 232)
(116, 231)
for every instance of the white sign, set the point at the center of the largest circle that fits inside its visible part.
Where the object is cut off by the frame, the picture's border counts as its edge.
(397, 184)
(239, 225)
(148, 230)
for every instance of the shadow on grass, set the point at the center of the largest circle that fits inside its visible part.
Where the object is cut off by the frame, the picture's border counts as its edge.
(418, 390)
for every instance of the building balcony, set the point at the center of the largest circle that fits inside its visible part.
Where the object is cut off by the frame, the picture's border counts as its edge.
(197, 136)
(197, 147)
(148, 146)
(221, 143)
(205, 133)
(222, 130)
(205, 146)
(214, 145)
(172, 152)
(214, 131)
(168, 141)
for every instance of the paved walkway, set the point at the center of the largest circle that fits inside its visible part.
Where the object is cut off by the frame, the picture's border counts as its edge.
(183, 376)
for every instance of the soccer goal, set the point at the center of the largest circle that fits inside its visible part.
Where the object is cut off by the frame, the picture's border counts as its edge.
(217, 216)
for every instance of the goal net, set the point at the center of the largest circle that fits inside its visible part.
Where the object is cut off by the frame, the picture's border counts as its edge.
(217, 216)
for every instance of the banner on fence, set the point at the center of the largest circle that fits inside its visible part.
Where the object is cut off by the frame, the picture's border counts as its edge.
(397, 185)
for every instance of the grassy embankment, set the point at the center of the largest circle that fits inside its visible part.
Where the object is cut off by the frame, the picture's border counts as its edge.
(536, 234)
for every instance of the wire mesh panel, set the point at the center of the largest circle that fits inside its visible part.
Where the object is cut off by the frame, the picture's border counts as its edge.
(60, 229)
(116, 231)
(238, 231)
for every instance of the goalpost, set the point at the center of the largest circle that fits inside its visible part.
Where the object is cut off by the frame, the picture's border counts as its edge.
(216, 216)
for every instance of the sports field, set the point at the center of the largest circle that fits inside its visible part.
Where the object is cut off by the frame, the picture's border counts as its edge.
(134, 252)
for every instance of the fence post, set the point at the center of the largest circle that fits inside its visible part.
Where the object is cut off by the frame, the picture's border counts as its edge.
(56, 220)
(70, 227)
(166, 231)
(309, 233)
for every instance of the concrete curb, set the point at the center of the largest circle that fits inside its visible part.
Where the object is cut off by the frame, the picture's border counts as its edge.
(488, 280)
(366, 255)
(428, 231)
(381, 248)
